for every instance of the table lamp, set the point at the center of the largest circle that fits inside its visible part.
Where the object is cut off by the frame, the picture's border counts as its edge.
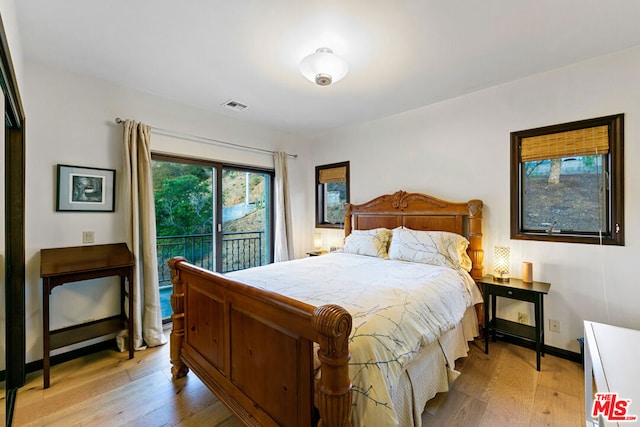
(501, 263)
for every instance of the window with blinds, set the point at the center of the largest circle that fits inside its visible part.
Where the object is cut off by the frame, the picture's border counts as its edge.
(566, 182)
(332, 194)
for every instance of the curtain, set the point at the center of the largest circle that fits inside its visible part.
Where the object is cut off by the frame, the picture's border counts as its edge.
(283, 246)
(141, 234)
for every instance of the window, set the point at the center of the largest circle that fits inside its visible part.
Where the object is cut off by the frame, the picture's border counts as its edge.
(217, 216)
(567, 182)
(332, 193)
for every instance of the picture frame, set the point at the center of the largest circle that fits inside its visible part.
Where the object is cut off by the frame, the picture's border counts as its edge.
(85, 189)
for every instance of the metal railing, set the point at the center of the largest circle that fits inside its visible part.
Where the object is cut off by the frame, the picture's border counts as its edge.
(240, 250)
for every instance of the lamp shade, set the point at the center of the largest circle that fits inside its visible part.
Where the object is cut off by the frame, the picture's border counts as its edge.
(501, 262)
(323, 67)
(317, 241)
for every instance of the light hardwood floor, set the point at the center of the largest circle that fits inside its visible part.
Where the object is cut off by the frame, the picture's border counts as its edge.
(107, 389)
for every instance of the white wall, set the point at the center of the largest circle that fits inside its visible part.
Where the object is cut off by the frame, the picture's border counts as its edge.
(459, 150)
(10, 23)
(70, 120)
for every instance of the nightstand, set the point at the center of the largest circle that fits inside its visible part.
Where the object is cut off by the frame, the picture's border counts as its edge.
(514, 289)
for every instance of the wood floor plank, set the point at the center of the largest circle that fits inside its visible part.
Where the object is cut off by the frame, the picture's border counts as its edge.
(106, 407)
(185, 405)
(106, 388)
(214, 415)
(562, 375)
(457, 409)
(131, 401)
(511, 398)
(554, 408)
(42, 405)
(479, 370)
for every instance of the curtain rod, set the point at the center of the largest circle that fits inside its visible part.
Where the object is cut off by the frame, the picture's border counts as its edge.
(205, 139)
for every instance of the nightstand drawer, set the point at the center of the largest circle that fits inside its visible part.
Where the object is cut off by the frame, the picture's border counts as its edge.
(517, 294)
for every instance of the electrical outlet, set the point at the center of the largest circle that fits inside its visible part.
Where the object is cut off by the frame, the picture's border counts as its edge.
(554, 325)
(523, 318)
(88, 237)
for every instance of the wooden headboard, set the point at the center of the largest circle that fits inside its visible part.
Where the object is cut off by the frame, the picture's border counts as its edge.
(422, 212)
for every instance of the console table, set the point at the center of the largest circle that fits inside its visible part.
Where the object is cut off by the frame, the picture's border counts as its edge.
(514, 289)
(65, 265)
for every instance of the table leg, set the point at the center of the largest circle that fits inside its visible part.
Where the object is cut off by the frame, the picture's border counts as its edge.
(493, 316)
(538, 314)
(46, 293)
(542, 321)
(486, 322)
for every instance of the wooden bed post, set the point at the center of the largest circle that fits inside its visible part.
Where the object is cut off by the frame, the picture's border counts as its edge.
(179, 369)
(475, 238)
(347, 219)
(333, 391)
(475, 249)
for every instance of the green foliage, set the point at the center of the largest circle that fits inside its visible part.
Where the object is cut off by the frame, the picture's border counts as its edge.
(183, 199)
(168, 170)
(184, 196)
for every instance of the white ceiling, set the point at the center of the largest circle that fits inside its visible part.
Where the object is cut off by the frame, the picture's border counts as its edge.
(402, 54)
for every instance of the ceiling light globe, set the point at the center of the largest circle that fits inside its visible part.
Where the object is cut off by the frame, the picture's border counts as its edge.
(323, 67)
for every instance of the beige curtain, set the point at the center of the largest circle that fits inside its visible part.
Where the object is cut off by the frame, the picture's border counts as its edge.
(141, 223)
(283, 248)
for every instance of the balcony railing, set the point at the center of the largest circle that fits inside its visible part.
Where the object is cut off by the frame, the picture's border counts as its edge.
(240, 250)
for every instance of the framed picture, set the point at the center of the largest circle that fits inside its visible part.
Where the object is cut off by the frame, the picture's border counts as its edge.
(83, 189)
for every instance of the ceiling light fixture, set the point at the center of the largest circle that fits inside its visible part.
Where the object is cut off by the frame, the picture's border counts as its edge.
(323, 67)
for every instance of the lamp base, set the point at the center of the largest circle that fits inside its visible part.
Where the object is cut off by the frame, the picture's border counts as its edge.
(501, 279)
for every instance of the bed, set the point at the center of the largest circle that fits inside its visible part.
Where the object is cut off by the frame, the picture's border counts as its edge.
(253, 344)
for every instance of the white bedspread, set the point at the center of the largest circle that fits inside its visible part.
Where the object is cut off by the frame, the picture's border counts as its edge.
(397, 307)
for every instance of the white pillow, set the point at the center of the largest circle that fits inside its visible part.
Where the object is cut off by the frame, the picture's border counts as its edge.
(368, 242)
(430, 247)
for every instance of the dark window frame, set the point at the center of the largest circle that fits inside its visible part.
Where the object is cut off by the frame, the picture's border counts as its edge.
(320, 222)
(614, 166)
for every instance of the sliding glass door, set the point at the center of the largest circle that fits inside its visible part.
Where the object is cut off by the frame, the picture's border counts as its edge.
(216, 216)
(246, 213)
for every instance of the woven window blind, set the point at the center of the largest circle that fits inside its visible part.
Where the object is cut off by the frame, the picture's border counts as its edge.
(580, 142)
(332, 175)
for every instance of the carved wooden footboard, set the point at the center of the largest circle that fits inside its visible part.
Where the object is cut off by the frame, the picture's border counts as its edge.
(253, 349)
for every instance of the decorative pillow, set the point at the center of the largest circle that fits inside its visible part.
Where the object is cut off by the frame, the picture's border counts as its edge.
(368, 242)
(430, 247)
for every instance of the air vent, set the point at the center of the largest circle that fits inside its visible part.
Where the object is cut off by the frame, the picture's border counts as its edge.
(234, 105)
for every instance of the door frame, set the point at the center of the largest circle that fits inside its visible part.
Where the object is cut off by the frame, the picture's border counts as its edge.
(14, 163)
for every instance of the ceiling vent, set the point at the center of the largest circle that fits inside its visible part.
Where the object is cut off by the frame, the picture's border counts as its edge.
(234, 105)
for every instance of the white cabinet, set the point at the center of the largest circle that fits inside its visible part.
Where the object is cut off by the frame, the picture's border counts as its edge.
(611, 361)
